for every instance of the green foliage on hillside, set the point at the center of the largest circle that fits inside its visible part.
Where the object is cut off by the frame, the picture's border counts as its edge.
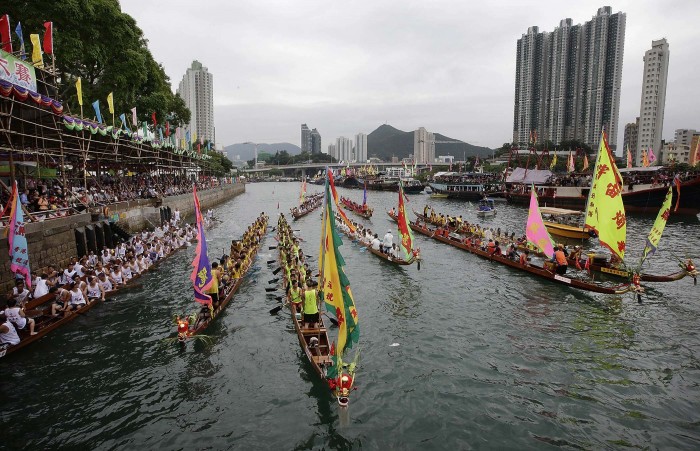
(95, 40)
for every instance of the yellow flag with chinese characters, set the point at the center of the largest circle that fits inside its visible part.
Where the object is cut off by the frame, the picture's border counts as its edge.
(110, 102)
(605, 212)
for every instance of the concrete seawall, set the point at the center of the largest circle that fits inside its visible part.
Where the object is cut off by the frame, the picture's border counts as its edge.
(54, 242)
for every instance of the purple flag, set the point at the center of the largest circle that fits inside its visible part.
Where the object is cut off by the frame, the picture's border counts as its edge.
(201, 274)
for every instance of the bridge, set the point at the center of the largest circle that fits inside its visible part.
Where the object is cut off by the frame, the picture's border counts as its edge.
(310, 168)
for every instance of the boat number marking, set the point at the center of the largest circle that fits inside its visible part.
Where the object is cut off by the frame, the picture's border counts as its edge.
(617, 272)
(562, 279)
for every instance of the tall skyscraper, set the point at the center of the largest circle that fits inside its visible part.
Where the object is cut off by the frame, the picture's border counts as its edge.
(344, 150)
(305, 138)
(567, 82)
(332, 151)
(653, 103)
(630, 139)
(361, 148)
(197, 90)
(315, 141)
(423, 146)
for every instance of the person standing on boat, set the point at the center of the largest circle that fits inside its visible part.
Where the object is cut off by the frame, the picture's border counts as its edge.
(213, 290)
(310, 305)
(388, 241)
(560, 259)
(176, 216)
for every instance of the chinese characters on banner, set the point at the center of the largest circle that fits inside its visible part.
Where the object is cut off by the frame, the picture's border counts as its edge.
(17, 71)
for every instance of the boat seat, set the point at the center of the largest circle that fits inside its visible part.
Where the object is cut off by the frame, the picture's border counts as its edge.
(322, 359)
(313, 331)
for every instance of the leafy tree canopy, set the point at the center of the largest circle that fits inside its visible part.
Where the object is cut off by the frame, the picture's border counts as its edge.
(95, 40)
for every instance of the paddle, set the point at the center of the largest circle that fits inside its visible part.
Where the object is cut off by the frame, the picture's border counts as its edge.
(273, 280)
(333, 320)
(270, 290)
(277, 270)
(276, 309)
(272, 247)
(269, 262)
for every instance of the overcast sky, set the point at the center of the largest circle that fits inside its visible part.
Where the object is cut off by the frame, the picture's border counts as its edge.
(348, 67)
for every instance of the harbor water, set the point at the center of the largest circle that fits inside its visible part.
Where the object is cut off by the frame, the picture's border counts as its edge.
(463, 354)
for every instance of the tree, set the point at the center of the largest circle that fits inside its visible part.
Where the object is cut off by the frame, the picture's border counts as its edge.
(95, 40)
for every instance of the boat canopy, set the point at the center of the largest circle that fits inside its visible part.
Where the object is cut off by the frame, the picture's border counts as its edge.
(522, 175)
(559, 211)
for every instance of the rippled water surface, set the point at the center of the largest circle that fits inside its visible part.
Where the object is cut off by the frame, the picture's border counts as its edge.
(486, 357)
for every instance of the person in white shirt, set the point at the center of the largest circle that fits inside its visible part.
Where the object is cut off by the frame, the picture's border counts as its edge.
(176, 215)
(19, 292)
(79, 269)
(395, 251)
(388, 242)
(92, 259)
(16, 315)
(8, 334)
(106, 258)
(40, 286)
(68, 273)
(376, 244)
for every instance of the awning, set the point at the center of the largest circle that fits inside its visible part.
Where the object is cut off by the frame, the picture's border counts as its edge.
(559, 211)
(522, 175)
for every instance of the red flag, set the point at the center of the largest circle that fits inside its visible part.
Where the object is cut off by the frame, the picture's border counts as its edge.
(588, 264)
(167, 129)
(199, 148)
(677, 181)
(48, 38)
(5, 36)
(153, 116)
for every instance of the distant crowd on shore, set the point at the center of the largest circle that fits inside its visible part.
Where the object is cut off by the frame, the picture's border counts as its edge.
(48, 198)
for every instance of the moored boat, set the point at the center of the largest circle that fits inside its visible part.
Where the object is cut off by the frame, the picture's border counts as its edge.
(565, 223)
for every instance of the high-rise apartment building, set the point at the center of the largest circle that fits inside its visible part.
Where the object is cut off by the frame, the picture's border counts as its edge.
(315, 141)
(332, 151)
(653, 103)
(344, 149)
(197, 90)
(567, 82)
(630, 139)
(305, 138)
(423, 146)
(361, 148)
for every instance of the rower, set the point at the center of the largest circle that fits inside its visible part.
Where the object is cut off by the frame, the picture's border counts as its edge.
(8, 334)
(40, 286)
(295, 295)
(17, 317)
(19, 292)
(376, 244)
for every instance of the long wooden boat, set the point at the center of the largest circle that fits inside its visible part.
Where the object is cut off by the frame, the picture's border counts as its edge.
(297, 213)
(45, 323)
(317, 351)
(200, 326)
(380, 254)
(350, 205)
(535, 270)
(596, 264)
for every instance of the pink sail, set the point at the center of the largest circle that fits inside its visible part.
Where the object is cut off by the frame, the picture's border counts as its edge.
(536, 232)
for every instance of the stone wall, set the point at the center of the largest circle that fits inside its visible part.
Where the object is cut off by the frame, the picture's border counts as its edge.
(53, 242)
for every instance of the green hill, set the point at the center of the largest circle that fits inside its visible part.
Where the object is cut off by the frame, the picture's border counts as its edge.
(387, 141)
